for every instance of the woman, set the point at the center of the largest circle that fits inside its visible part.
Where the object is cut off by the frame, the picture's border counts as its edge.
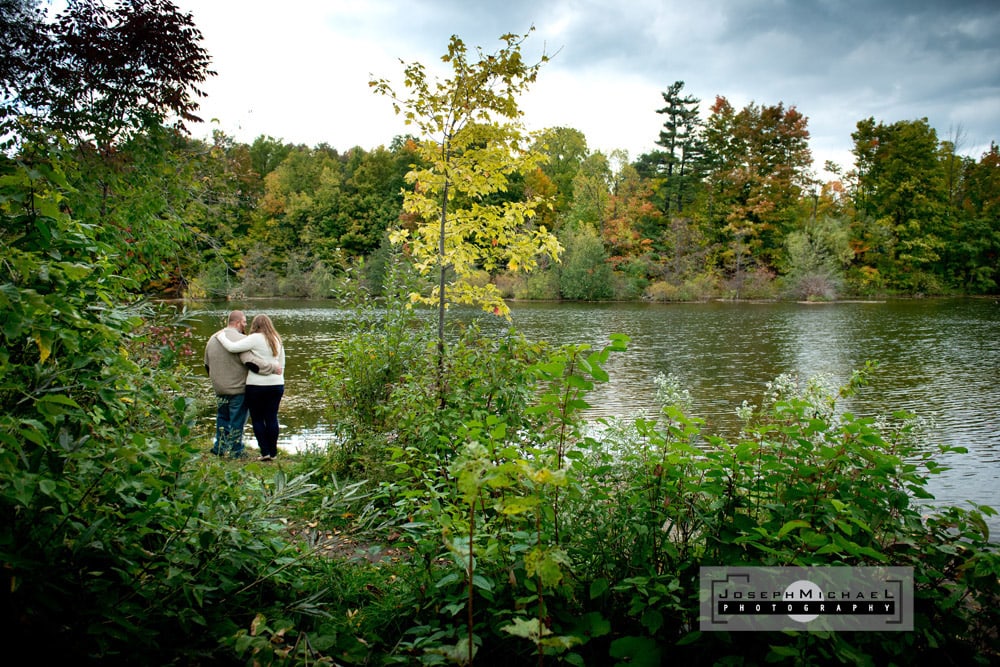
(263, 392)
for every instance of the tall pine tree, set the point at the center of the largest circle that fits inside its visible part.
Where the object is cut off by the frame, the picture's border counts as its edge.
(681, 141)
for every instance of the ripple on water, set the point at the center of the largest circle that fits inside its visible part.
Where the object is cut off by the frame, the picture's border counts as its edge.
(938, 359)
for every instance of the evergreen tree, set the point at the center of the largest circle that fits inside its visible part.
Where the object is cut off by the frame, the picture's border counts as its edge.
(680, 137)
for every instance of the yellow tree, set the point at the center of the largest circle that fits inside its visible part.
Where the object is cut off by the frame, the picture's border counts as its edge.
(471, 142)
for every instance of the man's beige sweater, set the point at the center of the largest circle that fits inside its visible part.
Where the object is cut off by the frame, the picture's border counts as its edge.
(227, 370)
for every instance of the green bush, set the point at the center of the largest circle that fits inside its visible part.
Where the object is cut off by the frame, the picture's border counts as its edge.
(699, 288)
(803, 486)
(212, 282)
(321, 281)
(757, 283)
(533, 534)
(661, 291)
(813, 286)
(118, 544)
(542, 285)
(387, 338)
(585, 274)
(257, 277)
(630, 280)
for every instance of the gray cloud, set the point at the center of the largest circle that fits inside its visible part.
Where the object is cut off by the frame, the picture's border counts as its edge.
(837, 61)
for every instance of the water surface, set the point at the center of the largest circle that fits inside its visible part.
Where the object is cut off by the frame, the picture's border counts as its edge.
(939, 358)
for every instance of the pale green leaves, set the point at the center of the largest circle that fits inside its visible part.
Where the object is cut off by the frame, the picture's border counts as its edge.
(546, 563)
(534, 630)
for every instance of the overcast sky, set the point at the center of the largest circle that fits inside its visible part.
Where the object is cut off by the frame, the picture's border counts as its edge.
(298, 70)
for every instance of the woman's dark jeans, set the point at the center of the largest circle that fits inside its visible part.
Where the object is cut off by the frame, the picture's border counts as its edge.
(263, 402)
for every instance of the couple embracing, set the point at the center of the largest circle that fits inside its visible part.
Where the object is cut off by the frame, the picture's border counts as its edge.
(247, 375)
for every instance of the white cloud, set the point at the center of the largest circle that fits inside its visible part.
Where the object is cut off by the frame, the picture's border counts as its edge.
(299, 70)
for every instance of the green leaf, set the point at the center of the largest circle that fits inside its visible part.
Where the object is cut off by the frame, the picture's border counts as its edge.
(595, 360)
(545, 563)
(813, 539)
(845, 527)
(482, 582)
(52, 406)
(499, 433)
(447, 579)
(59, 399)
(32, 432)
(619, 342)
(639, 651)
(785, 651)
(593, 624)
(792, 525)
(652, 620)
(689, 638)
(76, 271)
(598, 588)
(47, 486)
(459, 652)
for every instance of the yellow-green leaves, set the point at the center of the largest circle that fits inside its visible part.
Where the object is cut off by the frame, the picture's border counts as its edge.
(471, 144)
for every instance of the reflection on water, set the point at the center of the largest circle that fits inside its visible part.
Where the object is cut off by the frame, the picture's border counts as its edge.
(938, 358)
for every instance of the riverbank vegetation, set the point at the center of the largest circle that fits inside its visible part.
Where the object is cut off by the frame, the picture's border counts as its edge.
(468, 514)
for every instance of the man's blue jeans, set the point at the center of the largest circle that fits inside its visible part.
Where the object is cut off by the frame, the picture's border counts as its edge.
(230, 418)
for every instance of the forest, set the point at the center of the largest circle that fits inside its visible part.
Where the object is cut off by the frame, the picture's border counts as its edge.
(727, 207)
(468, 513)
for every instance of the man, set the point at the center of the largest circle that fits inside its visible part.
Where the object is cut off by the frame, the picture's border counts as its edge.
(229, 378)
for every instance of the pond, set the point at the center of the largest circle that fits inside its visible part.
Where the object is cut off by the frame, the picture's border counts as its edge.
(938, 358)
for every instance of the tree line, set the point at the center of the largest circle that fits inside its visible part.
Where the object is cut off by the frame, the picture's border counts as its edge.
(726, 207)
